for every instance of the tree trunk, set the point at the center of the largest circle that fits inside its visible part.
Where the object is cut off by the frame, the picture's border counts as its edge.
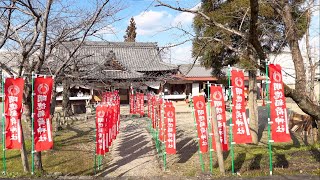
(53, 107)
(298, 94)
(66, 106)
(23, 151)
(217, 140)
(27, 115)
(253, 106)
(38, 161)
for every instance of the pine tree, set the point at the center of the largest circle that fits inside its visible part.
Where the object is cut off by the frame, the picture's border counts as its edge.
(131, 32)
(217, 48)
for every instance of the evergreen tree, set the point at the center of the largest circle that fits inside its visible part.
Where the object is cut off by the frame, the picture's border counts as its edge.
(217, 48)
(131, 32)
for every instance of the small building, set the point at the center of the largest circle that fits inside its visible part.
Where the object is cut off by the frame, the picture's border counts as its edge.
(116, 65)
(192, 78)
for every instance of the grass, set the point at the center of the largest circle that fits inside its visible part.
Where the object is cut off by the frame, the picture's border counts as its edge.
(73, 154)
(253, 161)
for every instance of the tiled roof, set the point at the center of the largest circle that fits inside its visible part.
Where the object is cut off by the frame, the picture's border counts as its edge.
(190, 70)
(135, 56)
(114, 75)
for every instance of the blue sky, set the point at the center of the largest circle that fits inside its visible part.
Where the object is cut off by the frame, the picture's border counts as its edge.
(156, 24)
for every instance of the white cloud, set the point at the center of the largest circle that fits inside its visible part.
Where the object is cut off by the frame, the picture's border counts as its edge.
(109, 29)
(181, 54)
(151, 22)
(185, 18)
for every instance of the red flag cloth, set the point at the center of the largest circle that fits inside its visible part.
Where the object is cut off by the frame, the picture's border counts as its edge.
(131, 102)
(278, 111)
(241, 130)
(217, 101)
(42, 120)
(13, 89)
(170, 126)
(161, 121)
(142, 104)
(137, 105)
(153, 98)
(114, 121)
(109, 125)
(201, 119)
(118, 116)
(149, 104)
(101, 130)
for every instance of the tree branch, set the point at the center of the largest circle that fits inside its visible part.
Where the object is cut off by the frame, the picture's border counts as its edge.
(221, 26)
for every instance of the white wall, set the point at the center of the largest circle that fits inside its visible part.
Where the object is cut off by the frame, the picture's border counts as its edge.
(195, 89)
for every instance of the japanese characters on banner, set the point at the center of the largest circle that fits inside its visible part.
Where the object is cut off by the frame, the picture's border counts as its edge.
(160, 120)
(201, 119)
(170, 126)
(278, 111)
(149, 104)
(42, 121)
(131, 102)
(137, 103)
(102, 145)
(153, 111)
(107, 122)
(141, 104)
(218, 103)
(241, 130)
(13, 110)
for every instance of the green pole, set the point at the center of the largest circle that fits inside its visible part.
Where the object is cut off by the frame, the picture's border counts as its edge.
(230, 121)
(95, 155)
(269, 121)
(210, 129)
(3, 127)
(32, 123)
(99, 162)
(195, 125)
(164, 153)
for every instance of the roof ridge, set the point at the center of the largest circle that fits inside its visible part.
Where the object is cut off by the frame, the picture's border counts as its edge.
(121, 44)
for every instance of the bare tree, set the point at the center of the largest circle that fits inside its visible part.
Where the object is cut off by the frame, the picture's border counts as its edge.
(47, 25)
(283, 8)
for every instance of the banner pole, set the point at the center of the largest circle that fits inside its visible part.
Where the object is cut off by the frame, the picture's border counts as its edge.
(210, 129)
(99, 160)
(3, 127)
(164, 142)
(32, 123)
(95, 155)
(195, 125)
(269, 121)
(230, 121)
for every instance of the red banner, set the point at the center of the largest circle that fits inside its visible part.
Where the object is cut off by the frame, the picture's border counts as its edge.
(278, 111)
(201, 118)
(142, 104)
(137, 105)
(170, 126)
(217, 101)
(131, 102)
(161, 122)
(114, 121)
(13, 89)
(42, 120)
(101, 130)
(118, 113)
(241, 130)
(149, 104)
(153, 111)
